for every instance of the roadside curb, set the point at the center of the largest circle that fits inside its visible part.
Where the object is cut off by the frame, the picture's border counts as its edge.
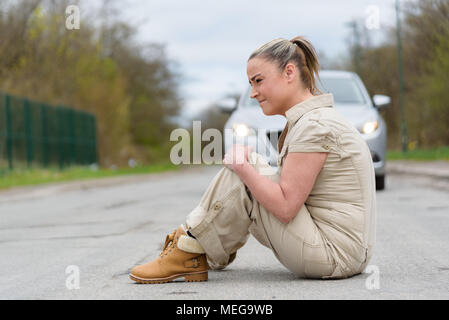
(435, 169)
(42, 190)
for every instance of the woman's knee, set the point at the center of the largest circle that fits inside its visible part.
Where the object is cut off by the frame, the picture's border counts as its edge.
(261, 165)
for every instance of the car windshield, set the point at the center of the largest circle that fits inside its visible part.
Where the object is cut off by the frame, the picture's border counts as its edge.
(343, 90)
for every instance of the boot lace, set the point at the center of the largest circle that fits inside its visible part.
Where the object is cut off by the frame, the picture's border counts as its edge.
(168, 240)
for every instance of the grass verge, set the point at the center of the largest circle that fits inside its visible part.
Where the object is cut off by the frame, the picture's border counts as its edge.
(24, 177)
(441, 153)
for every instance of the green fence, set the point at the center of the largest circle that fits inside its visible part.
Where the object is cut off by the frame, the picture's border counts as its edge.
(34, 134)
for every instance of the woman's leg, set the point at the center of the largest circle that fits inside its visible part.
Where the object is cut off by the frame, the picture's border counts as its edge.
(225, 215)
(220, 222)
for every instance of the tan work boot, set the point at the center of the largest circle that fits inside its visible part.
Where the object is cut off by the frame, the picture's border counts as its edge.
(182, 256)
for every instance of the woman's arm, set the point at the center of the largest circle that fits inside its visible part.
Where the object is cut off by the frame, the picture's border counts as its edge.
(298, 176)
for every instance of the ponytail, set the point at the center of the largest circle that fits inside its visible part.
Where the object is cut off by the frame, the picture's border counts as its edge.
(307, 63)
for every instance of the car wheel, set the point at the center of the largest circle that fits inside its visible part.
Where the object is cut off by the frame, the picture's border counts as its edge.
(380, 182)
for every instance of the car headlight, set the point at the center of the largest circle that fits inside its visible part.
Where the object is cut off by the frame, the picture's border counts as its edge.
(242, 130)
(370, 127)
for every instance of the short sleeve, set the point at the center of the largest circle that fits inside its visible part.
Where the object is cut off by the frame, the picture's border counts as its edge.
(312, 136)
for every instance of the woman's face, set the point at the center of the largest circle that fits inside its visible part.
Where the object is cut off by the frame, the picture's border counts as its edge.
(269, 86)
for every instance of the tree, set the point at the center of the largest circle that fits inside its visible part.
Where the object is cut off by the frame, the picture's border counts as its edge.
(425, 54)
(98, 68)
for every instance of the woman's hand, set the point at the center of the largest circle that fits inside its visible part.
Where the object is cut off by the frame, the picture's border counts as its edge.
(237, 157)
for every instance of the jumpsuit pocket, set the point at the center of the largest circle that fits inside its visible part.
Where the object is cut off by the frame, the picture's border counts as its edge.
(316, 261)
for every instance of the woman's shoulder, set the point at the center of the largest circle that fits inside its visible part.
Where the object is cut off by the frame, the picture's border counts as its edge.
(314, 119)
(311, 133)
(327, 117)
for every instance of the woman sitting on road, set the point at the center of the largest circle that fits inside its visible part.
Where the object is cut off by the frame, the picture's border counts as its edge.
(316, 212)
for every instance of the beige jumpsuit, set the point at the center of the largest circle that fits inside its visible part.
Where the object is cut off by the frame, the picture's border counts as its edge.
(334, 231)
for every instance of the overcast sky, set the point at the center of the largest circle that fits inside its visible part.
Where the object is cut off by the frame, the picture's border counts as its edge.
(211, 40)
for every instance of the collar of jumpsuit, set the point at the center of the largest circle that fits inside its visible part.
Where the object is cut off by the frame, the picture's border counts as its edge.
(298, 110)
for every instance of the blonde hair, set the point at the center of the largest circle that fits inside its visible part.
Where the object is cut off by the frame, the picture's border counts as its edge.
(297, 50)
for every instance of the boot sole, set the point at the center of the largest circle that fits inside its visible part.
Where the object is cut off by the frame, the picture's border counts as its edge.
(188, 277)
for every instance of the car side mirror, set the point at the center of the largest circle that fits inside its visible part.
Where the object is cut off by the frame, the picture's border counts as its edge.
(227, 105)
(381, 101)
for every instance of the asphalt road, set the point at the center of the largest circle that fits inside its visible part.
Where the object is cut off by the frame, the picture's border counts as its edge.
(99, 231)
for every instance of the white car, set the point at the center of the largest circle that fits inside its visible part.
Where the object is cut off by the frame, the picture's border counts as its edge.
(250, 126)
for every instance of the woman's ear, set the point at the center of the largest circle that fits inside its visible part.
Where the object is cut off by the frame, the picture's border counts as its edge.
(290, 72)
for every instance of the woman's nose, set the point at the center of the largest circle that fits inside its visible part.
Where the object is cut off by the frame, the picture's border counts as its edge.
(253, 93)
